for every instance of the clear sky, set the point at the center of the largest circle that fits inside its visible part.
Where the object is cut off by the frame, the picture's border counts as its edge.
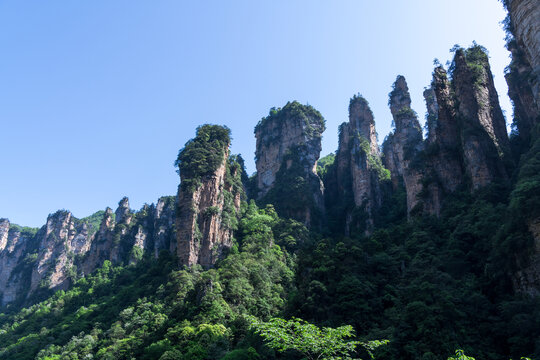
(97, 97)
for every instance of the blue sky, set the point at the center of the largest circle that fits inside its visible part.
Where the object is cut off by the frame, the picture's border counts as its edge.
(97, 97)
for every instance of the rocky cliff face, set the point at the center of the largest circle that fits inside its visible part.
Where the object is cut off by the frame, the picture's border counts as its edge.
(13, 257)
(402, 149)
(524, 15)
(60, 240)
(358, 167)
(523, 78)
(34, 263)
(288, 147)
(443, 166)
(484, 139)
(208, 199)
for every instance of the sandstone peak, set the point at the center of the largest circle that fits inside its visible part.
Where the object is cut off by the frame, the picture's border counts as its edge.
(122, 213)
(288, 147)
(209, 197)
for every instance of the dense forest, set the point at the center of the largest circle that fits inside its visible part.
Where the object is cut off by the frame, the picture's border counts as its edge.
(290, 263)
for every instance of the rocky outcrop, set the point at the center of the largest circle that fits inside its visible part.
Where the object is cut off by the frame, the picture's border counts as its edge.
(443, 173)
(288, 147)
(484, 139)
(34, 262)
(208, 199)
(14, 257)
(359, 169)
(122, 213)
(525, 26)
(102, 247)
(164, 231)
(403, 148)
(4, 233)
(59, 241)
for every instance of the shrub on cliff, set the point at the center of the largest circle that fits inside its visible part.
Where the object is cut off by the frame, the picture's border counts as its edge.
(203, 154)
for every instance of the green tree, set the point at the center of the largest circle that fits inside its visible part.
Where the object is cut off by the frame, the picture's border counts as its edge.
(311, 341)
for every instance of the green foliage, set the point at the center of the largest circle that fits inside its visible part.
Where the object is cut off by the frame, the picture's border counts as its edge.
(152, 310)
(310, 340)
(324, 164)
(202, 155)
(293, 189)
(24, 230)
(313, 120)
(93, 221)
(460, 355)
(374, 161)
(359, 99)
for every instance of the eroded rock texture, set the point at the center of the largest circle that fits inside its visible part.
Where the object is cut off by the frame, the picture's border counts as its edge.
(208, 201)
(34, 262)
(484, 139)
(525, 26)
(403, 147)
(443, 172)
(358, 168)
(288, 147)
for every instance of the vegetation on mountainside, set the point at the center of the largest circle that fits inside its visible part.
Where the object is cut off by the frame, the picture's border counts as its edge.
(312, 342)
(309, 117)
(203, 154)
(152, 310)
(324, 164)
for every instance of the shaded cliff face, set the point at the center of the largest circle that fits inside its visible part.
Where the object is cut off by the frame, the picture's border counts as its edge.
(208, 198)
(358, 168)
(525, 26)
(403, 148)
(483, 130)
(288, 147)
(443, 172)
(523, 80)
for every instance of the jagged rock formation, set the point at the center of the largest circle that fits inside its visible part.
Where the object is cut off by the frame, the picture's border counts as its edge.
(443, 173)
(525, 26)
(34, 262)
(484, 139)
(13, 257)
(402, 148)
(208, 197)
(358, 167)
(288, 147)
(523, 78)
(60, 240)
(467, 141)
(122, 213)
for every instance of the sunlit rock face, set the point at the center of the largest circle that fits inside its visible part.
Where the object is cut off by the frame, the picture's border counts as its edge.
(206, 211)
(288, 147)
(35, 262)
